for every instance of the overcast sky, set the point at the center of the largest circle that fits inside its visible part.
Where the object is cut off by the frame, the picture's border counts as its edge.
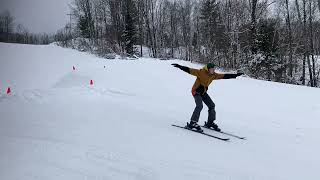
(38, 16)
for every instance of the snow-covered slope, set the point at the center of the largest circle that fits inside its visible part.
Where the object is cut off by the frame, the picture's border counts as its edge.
(54, 125)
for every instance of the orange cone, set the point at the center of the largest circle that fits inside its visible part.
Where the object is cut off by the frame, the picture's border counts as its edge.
(91, 82)
(8, 90)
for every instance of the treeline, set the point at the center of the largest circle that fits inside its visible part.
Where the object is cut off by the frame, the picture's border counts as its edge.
(19, 34)
(273, 40)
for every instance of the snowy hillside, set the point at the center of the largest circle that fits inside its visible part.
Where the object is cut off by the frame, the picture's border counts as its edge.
(56, 126)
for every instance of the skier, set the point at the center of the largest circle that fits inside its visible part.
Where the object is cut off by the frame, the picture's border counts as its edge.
(199, 91)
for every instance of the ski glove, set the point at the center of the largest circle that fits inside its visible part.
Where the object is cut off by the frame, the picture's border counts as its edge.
(176, 65)
(183, 68)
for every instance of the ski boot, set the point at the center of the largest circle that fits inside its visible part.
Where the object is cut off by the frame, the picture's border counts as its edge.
(194, 125)
(212, 126)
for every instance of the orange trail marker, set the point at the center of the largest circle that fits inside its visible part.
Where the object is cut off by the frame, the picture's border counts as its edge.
(8, 90)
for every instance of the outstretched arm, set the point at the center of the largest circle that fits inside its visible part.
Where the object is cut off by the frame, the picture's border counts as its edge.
(226, 76)
(191, 71)
(183, 68)
(231, 76)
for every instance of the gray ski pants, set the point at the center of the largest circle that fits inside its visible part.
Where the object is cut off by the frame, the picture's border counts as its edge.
(211, 106)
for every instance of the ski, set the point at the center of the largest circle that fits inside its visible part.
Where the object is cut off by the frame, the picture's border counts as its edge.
(226, 133)
(216, 137)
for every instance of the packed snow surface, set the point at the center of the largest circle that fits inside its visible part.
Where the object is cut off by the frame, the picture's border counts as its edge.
(54, 125)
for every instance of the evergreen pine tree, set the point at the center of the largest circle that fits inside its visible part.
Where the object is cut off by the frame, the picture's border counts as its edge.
(85, 26)
(129, 34)
(213, 31)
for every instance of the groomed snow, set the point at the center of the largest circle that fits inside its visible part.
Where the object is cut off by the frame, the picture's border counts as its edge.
(55, 126)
